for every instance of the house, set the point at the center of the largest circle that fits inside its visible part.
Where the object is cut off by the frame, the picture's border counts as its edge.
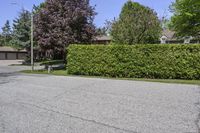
(170, 37)
(167, 37)
(102, 40)
(9, 53)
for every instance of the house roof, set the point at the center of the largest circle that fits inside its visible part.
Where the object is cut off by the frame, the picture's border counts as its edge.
(169, 34)
(10, 49)
(103, 38)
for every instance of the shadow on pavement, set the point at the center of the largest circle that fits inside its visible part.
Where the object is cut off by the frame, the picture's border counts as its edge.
(7, 77)
(8, 74)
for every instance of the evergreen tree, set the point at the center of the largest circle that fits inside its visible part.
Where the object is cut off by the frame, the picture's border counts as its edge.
(137, 24)
(22, 30)
(63, 22)
(6, 34)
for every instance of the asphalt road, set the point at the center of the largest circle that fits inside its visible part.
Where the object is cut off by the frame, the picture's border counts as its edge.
(52, 104)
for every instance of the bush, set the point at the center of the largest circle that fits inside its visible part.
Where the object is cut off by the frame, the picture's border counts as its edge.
(137, 61)
(52, 62)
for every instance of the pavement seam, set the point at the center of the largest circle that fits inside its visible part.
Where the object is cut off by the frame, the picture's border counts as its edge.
(80, 118)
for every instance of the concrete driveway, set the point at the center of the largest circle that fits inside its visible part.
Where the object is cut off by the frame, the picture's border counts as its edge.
(5, 66)
(52, 104)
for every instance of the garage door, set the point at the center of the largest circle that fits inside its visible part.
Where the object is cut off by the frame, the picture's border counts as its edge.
(11, 56)
(2, 56)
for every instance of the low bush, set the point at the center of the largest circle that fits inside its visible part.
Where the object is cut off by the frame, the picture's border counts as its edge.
(169, 61)
(52, 62)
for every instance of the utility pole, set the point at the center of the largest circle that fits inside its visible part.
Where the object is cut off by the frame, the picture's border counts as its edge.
(32, 51)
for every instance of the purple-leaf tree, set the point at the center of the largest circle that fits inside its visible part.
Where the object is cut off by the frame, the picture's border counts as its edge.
(61, 23)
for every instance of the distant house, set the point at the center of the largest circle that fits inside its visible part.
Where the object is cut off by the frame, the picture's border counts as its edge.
(9, 53)
(188, 39)
(102, 40)
(169, 36)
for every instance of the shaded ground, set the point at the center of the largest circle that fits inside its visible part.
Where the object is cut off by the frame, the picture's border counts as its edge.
(52, 104)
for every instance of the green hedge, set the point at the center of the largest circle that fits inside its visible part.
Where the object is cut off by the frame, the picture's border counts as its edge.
(137, 61)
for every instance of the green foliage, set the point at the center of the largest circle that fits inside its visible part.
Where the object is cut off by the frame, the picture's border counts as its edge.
(22, 30)
(137, 24)
(63, 22)
(1, 40)
(138, 61)
(106, 29)
(37, 9)
(165, 23)
(186, 19)
(6, 34)
(101, 31)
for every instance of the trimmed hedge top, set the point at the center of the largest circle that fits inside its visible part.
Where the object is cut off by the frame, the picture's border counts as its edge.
(168, 61)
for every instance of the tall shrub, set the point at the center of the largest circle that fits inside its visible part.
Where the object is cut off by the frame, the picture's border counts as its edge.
(137, 24)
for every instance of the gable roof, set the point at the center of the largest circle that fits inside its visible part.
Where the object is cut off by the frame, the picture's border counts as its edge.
(169, 34)
(10, 49)
(103, 38)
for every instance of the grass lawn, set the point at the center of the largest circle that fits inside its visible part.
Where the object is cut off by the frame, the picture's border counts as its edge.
(64, 73)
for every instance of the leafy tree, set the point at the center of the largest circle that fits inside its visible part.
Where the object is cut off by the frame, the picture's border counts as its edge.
(1, 40)
(137, 24)
(186, 18)
(6, 34)
(101, 31)
(35, 11)
(105, 30)
(165, 23)
(22, 30)
(63, 22)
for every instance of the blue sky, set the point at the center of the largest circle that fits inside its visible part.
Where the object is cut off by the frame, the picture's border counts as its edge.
(106, 9)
